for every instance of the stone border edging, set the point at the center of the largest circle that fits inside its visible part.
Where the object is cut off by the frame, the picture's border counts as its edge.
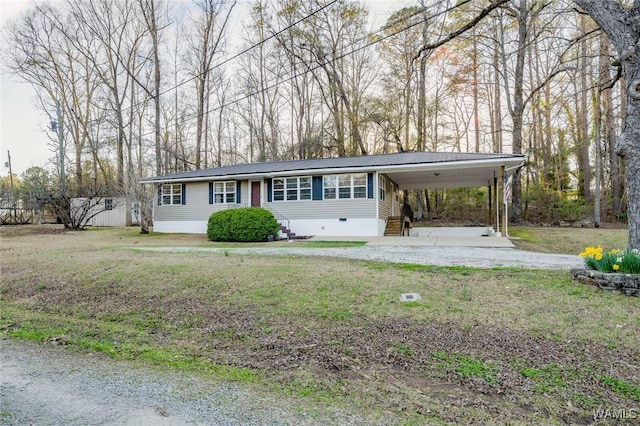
(627, 284)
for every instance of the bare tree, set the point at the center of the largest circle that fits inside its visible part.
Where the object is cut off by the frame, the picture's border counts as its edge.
(41, 50)
(150, 10)
(114, 54)
(328, 35)
(210, 22)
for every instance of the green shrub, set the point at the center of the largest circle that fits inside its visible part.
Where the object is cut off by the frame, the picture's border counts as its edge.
(250, 224)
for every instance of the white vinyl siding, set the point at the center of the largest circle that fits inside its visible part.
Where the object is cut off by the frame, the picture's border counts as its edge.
(326, 209)
(385, 206)
(198, 207)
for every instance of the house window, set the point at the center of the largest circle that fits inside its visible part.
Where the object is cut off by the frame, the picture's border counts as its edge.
(305, 188)
(360, 185)
(278, 190)
(383, 188)
(171, 194)
(108, 203)
(329, 185)
(345, 186)
(292, 189)
(224, 192)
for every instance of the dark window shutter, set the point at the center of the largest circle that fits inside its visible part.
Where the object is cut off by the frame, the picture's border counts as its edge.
(316, 184)
(238, 187)
(210, 192)
(184, 193)
(370, 185)
(269, 190)
(159, 195)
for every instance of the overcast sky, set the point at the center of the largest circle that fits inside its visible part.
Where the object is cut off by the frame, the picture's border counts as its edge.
(24, 126)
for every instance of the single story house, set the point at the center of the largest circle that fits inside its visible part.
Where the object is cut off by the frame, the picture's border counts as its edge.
(346, 196)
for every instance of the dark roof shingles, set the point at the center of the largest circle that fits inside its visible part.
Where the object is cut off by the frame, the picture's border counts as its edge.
(365, 161)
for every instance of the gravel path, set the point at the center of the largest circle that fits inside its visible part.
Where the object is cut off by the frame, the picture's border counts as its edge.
(422, 255)
(48, 385)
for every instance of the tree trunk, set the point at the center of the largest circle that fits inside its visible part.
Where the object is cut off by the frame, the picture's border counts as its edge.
(620, 24)
(584, 140)
(517, 109)
(476, 110)
(422, 87)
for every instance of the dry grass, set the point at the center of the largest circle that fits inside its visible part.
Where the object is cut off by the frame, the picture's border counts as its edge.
(482, 346)
(568, 240)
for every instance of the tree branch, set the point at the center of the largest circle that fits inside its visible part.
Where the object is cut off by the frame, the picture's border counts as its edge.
(463, 29)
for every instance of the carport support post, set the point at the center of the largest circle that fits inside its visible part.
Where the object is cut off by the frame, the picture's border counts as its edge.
(490, 209)
(505, 217)
(497, 202)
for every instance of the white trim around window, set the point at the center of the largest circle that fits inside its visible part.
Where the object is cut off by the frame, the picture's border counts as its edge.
(224, 192)
(345, 186)
(292, 188)
(171, 194)
(382, 182)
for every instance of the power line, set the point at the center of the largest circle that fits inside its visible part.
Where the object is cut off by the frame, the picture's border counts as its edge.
(242, 52)
(335, 59)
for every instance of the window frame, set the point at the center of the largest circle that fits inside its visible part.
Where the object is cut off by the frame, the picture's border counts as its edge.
(382, 186)
(108, 204)
(330, 182)
(292, 188)
(344, 187)
(171, 194)
(359, 192)
(228, 193)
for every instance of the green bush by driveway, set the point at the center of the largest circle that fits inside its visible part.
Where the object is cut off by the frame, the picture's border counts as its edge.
(250, 224)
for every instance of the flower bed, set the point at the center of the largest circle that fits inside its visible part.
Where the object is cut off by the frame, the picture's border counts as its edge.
(617, 271)
(623, 261)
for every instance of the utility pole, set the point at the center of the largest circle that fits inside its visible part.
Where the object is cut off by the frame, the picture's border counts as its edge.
(13, 199)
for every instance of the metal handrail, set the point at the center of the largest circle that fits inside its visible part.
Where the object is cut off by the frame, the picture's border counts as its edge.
(280, 218)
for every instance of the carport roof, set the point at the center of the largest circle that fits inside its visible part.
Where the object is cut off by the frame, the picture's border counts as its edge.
(410, 170)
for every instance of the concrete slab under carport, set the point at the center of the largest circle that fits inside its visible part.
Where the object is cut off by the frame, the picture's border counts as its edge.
(443, 241)
(434, 236)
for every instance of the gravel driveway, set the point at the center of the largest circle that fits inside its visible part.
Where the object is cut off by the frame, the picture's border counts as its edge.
(48, 385)
(422, 255)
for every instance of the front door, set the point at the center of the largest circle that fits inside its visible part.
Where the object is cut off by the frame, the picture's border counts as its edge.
(255, 194)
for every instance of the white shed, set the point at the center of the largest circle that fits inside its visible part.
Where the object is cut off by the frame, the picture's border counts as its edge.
(106, 211)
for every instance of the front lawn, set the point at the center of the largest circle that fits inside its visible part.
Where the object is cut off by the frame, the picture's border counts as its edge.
(482, 346)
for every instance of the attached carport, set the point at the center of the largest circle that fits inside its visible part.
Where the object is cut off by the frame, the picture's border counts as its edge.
(461, 170)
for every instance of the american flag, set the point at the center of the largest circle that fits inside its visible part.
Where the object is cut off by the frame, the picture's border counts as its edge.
(506, 188)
